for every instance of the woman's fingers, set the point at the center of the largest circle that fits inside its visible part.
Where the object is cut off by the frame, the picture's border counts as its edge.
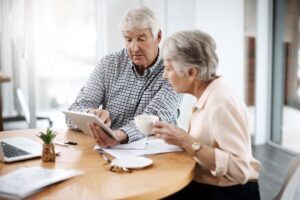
(169, 133)
(159, 124)
(161, 131)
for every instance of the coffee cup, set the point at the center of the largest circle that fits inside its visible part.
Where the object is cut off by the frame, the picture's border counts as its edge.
(144, 122)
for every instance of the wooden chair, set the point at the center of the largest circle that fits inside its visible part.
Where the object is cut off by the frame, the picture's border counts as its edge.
(288, 188)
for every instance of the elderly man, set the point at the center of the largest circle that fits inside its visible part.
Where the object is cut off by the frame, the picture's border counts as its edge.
(129, 82)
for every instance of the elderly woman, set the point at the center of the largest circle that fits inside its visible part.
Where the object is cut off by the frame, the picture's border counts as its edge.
(218, 137)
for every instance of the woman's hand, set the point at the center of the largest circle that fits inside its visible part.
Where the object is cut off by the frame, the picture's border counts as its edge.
(171, 134)
(177, 136)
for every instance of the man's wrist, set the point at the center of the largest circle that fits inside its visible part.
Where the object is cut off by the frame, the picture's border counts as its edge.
(123, 137)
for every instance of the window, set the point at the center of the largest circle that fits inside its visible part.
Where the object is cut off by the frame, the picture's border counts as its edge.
(65, 48)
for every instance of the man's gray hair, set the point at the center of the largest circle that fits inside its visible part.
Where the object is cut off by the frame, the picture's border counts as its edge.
(140, 17)
(185, 49)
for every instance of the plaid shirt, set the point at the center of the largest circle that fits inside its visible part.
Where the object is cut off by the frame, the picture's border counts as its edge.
(116, 85)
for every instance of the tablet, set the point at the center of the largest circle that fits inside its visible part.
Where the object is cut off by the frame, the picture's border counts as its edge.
(82, 119)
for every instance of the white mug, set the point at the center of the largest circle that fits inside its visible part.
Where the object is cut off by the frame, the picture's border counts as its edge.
(144, 122)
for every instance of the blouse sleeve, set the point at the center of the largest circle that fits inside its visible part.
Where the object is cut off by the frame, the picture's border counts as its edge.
(232, 136)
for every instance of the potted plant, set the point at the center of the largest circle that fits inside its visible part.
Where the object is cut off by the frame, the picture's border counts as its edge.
(48, 152)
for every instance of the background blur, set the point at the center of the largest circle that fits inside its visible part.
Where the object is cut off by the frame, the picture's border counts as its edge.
(49, 48)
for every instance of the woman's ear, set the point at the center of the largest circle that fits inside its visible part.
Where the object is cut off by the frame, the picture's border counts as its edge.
(159, 35)
(192, 73)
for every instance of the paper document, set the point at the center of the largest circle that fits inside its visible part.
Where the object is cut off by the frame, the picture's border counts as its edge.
(25, 181)
(153, 146)
(138, 144)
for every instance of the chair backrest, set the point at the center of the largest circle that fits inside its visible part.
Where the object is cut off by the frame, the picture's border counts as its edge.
(288, 188)
(23, 105)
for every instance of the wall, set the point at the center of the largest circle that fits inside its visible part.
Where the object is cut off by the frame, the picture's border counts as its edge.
(250, 17)
(109, 15)
(176, 21)
(213, 16)
(224, 21)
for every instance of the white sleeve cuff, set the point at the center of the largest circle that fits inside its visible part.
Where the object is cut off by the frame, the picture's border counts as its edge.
(221, 159)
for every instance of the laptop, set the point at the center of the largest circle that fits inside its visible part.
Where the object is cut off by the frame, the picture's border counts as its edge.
(19, 148)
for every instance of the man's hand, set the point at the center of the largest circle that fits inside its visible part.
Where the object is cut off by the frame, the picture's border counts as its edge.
(103, 139)
(103, 115)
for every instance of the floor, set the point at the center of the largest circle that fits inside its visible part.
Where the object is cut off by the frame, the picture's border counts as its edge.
(275, 163)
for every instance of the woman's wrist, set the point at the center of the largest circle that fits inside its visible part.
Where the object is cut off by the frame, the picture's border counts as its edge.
(187, 146)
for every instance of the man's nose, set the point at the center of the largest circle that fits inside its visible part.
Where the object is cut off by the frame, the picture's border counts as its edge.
(135, 46)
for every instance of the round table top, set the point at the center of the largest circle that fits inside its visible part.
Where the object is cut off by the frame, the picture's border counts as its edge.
(169, 172)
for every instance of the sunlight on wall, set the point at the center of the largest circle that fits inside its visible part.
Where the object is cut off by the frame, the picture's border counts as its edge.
(65, 50)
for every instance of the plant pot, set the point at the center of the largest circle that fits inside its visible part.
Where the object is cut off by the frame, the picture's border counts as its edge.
(48, 154)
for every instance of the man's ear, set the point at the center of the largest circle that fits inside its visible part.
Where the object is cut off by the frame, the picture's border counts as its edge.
(192, 73)
(159, 35)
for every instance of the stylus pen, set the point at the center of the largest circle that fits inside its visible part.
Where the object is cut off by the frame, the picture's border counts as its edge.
(71, 143)
(60, 143)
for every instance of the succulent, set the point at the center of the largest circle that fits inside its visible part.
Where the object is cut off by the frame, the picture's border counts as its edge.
(48, 136)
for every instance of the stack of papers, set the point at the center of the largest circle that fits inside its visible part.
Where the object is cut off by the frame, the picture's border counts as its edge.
(26, 181)
(141, 147)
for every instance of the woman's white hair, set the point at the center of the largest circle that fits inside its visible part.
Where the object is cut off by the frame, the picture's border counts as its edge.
(140, 18)
(193, 48)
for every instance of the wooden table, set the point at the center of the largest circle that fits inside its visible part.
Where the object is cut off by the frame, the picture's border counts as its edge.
(168, 174)
(3, 79)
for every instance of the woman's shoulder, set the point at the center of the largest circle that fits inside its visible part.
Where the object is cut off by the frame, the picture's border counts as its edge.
(223, 94)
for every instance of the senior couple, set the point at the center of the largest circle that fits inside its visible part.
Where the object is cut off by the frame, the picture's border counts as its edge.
(142, 78)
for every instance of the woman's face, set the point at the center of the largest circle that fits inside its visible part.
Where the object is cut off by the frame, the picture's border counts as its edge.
(179, 82)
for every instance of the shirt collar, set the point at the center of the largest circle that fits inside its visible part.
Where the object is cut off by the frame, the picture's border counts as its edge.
(203, 98)
(147, 72)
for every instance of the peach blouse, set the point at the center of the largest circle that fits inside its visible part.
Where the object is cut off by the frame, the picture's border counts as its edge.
(220, 120)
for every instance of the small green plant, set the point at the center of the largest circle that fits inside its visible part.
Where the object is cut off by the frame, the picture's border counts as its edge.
(48, 136)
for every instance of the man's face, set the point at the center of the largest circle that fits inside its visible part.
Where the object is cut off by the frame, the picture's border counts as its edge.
(142, 47)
